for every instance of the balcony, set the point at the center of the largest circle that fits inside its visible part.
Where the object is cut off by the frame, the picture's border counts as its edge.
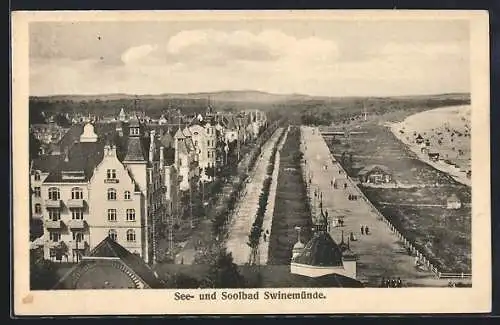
(51, 224)
(53, 204)
(54, 244)
(76, 203)
(111, 181)
(78, 244)
(77, 224)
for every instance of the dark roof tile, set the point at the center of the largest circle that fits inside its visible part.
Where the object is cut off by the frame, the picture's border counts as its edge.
(109, 248)
(46, 163)
(83, 156)
(321, 250)
(135, 150)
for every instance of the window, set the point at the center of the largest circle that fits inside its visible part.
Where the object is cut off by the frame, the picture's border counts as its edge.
(130, 235)
(77, 236)
(196, 143)
(111, 194)
(111, 173)
(55, 236)
(130, 214)
(134, 131)
(37, 192)
(208, 143)
(38, 208)
(111, 214)
(54, 194)
(76, 193)
(54, 215)
(127, 195)
(112, 234)
(37, 176)
(77, 214)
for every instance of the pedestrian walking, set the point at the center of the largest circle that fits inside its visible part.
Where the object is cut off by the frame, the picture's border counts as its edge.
(399, 283)
(362, 230)
(367, 230)
(393, 283)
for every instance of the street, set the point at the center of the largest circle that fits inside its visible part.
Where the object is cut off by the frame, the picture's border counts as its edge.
(380, 253)
(246, 209)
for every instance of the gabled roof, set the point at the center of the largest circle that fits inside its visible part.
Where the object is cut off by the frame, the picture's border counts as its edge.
(179, 134)
(370, 168)
(321, 250)
(134, 264)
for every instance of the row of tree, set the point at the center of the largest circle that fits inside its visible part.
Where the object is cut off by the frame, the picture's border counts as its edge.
(256, 230)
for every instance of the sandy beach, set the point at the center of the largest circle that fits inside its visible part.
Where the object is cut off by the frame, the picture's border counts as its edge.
(443, 130)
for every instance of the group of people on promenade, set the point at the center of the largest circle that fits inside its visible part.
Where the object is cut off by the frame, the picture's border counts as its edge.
(391, 283)
(365, 230)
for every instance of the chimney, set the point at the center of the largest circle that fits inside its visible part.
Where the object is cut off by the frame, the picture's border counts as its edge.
(152, 145)
(162, 158)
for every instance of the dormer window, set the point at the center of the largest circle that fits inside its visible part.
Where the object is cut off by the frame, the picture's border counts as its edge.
(134, 131)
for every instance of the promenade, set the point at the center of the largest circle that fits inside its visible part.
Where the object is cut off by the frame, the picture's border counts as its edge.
(381, 253)
(246, 209)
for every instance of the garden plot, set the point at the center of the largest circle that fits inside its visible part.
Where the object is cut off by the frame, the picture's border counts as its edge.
(291, 208)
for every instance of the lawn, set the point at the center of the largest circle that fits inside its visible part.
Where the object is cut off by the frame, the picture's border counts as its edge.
(291, 205)
(442, 235)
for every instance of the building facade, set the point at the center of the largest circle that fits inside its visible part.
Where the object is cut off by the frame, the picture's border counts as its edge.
(99, 190)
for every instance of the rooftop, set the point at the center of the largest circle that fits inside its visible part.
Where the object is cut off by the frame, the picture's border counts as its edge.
(321, 250)
(102, 269)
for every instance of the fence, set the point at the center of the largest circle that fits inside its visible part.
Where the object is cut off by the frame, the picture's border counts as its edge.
(454, 275)
(421, 258)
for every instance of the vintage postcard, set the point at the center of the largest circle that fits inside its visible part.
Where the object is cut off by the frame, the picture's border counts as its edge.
(251, 162)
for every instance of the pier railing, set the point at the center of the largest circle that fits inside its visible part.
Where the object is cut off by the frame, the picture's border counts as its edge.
(421, 258)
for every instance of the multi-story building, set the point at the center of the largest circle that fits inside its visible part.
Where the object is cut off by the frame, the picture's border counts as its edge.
(103, 186)
(186, 157)
(205, 140)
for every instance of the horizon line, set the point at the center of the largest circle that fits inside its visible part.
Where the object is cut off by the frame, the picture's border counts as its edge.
(249, 90)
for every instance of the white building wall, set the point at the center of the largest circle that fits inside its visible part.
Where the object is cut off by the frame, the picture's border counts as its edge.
(99, 204)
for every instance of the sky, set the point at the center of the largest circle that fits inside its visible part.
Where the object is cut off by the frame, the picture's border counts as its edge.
(326, 58)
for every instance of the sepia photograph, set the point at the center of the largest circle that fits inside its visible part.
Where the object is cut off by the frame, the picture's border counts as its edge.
(219, 159)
